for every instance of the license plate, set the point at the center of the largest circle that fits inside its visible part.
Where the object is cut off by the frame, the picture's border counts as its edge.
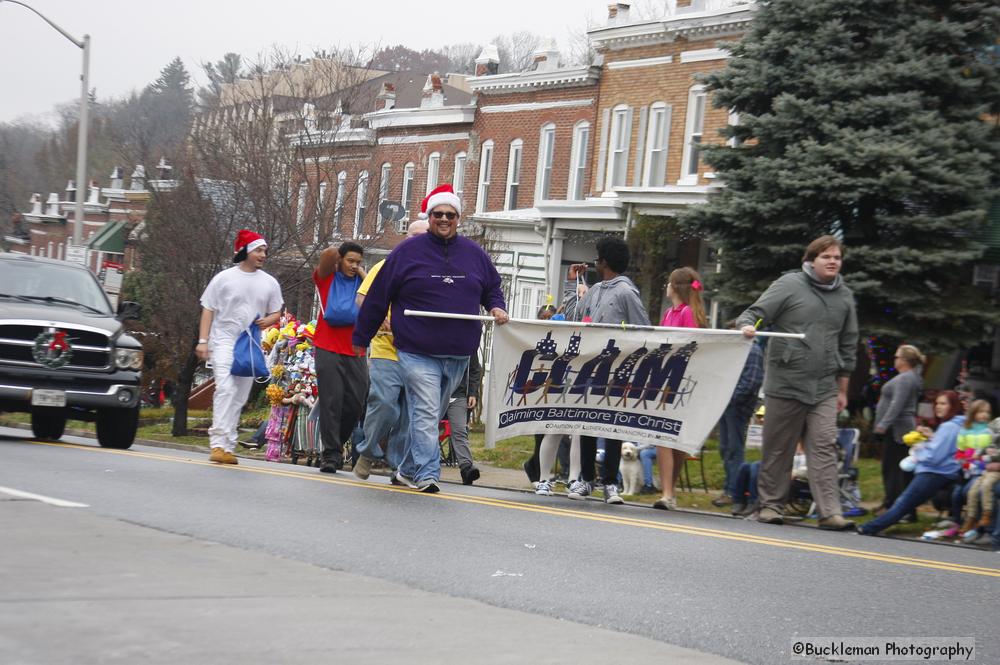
(48, 397)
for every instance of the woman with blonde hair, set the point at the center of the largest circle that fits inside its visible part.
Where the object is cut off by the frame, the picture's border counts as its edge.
(895, 415)
(684, 289)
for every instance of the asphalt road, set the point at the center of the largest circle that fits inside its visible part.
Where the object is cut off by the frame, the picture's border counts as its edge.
(648, 580)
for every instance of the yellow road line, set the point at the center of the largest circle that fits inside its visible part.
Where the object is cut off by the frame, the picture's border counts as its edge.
(563, 512)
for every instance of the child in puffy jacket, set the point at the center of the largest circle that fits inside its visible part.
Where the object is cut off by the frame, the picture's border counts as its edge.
(976, 450)
(974, 437)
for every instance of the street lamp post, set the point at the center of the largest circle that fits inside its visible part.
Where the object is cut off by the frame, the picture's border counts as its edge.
(81, 144)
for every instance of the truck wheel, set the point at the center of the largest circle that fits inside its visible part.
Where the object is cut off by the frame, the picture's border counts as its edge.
(48, 424)
(116, 427)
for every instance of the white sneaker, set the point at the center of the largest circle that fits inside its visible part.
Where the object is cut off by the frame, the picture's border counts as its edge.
(665, 503)
(403, 480)
(543, 488)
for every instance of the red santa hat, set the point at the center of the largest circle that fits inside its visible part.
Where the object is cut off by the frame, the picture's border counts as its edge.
(248, 240)
(442, 195)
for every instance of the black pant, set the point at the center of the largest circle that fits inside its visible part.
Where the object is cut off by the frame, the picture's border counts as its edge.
(531, 466)
(343, 387)
(894, 479)
(612, 458)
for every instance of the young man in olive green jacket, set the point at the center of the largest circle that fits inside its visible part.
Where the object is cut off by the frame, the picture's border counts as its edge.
(805, 383)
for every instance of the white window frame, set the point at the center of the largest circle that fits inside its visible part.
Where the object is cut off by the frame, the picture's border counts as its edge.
(383, 191)
(619, 139)
(338, 210)
(694, 129)
(513, 185)
(433, 170)
(530, 297)
(407, 191)
(485, 175)
(546, 159)
(360, 204)
(733, 120)
(458, 178)
(320, 204)
(657, 145)
(578, 162)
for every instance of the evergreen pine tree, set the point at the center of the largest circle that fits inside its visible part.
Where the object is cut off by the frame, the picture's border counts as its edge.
(867, 119)
(227, 70)
(166, 111)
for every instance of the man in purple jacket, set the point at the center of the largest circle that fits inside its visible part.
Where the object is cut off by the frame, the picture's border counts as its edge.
(439, 271)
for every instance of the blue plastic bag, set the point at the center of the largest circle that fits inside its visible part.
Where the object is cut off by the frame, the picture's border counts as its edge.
(341, 305)
(248, 356)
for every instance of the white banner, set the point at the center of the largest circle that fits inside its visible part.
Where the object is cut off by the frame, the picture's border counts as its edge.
(653, 385)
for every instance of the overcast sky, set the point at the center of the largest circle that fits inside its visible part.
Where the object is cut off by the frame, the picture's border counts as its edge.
(132, 40)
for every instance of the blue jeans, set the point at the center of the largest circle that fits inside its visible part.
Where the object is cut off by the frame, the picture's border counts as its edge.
(732, 438)
(386, 418)
(429, 382)
(647, 456)
(745, 483)
(959, 496)
(921, 489)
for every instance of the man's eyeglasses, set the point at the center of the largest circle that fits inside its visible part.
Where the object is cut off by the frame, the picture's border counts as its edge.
(440, 214)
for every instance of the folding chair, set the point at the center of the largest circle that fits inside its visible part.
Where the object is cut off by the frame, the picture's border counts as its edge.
(448, 457)
(800, 500)
(686, 479)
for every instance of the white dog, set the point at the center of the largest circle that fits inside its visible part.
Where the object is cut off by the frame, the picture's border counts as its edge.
(630, 468)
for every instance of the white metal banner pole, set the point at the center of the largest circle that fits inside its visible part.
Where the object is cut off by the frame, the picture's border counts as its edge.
(610, 326)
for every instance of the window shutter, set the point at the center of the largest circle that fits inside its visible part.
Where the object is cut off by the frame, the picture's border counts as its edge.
(602, 153)
(640, 146)
(628, 139)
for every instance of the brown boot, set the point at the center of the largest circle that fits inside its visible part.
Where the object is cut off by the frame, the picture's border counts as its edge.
(986, 520)
(220, 456)
(836, 523)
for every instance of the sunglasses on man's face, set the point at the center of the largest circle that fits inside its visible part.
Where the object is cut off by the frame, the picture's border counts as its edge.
(439, 214)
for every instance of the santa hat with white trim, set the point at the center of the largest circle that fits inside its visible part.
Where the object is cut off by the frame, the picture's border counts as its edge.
(442, 195)
(248, 240)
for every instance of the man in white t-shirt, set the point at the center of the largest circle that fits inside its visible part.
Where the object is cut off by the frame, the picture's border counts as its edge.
(235, 299)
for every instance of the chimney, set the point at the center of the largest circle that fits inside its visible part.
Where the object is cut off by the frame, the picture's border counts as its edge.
(138, 178)
(433, 95)
(116, 178)
(309, 116)
(36, 204)
(71, 191)
(488, 62)
(164, 171)
(52, 205)
(546, 56)
(386, 99)
(618, 13)
(94, 193)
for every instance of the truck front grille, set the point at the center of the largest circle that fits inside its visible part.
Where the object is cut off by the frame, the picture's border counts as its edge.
(91, 350)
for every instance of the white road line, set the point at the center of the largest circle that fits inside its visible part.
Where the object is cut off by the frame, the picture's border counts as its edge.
(62, 503)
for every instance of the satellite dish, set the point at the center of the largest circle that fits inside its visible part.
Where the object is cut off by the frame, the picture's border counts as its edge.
(391, 210)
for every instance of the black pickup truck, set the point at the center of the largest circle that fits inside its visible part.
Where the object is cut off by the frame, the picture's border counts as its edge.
(64, 354)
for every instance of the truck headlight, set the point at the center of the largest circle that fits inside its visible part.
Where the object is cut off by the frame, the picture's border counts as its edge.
(128, 359)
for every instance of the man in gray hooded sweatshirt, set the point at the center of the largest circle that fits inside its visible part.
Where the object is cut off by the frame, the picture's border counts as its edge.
(805, 384)
(615, 300)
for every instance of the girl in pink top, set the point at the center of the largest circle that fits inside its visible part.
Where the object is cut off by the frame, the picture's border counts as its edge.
(687, 311)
